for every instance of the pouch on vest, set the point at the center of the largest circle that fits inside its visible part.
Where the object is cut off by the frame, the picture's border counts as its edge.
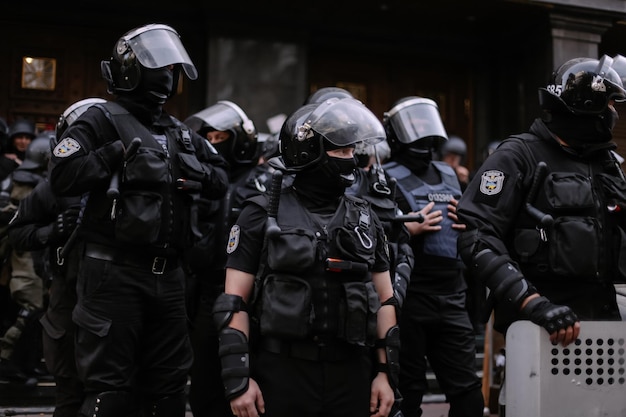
(139, 217)
(286, 309)
(358, 315)
(613, 189)
(565, 190)
(147, 167)
(354, 240)
(574, 247)
(191, 167)
(293, 250)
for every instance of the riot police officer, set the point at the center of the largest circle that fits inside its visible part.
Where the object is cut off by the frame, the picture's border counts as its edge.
(544, 213)
(322, 268)
(435, 322)
(44, 222)
(227, 127)
(144, 172)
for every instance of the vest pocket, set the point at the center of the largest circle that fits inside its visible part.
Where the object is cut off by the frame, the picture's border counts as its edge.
(138, 219)
(358, 315)
(292, 251)
(574, 247)
(286, 309)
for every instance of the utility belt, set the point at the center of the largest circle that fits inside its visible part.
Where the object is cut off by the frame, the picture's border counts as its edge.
(312, 351)
(157, 264)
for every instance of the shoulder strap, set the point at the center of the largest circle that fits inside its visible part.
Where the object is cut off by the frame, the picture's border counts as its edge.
(127, 126)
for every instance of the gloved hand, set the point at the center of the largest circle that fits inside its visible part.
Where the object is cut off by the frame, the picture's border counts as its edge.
(551, 317)
(65, 223)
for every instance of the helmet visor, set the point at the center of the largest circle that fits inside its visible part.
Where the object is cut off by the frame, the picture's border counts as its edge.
(218, 116)
(157, 46)
(347, 121)
(417, 119)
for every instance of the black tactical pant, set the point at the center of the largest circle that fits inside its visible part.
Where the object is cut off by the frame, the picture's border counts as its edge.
(132, 334)
(292, 386)
(438, 328)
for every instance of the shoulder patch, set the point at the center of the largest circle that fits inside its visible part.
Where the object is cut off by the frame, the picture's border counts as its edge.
(491, 182)
(233, 239)
(66, 147)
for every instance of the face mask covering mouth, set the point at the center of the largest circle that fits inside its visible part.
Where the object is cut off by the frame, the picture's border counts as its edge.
(157, 84)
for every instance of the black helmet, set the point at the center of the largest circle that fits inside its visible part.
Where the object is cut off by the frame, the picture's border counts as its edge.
(228, 117)
(414, 119)
(151, 46)
(325, 93)
(315, 128)
(38, 152)
(582, 86)
(73, 112)
(22, 127)
(454, 145)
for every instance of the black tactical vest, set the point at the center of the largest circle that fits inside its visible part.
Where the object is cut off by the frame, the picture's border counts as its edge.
(317, 282)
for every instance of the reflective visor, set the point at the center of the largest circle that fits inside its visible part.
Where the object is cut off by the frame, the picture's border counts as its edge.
(157, 46)
(345, 122)
(417, 119)
(219, 117)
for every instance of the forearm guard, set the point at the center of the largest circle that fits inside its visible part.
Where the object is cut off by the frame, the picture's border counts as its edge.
(391, 344)
(401, 278)
(235, 359)
(499, 275)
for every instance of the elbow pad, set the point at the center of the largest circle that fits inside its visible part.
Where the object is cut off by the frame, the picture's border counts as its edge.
(224, 307)
(504, 279)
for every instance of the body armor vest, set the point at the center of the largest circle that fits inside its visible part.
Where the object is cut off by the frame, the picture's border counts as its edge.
(584, 238)
(418, 194)
(143, 214)
(303, 296)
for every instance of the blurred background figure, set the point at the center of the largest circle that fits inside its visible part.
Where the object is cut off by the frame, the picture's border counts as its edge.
(21, 352)
(453, 152)
(20, 134)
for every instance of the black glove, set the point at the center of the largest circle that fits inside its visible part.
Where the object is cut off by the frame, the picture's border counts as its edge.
(551, 317)
(65, 223)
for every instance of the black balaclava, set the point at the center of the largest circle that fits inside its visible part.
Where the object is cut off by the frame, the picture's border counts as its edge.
(156, 84)
(327, 180)
(416, 156)
(583, 133)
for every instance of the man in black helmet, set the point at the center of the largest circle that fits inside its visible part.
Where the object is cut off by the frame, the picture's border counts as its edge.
(435, 322)
(226, 127)
(325, 305)
(545, 212)
(142, 173)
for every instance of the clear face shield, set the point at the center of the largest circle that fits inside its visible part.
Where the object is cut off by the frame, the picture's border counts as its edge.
(157, 46)
(343, 122)
(218, 116)
(417, 119)
(73, 112)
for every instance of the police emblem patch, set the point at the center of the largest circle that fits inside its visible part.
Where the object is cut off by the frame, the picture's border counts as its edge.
(491, 182)
(233, 239)
(66, 147)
